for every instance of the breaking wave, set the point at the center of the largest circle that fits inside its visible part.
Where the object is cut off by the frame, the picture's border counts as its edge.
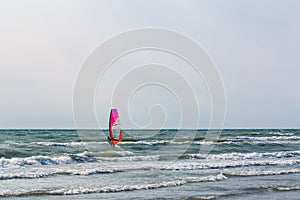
(263, 172)
(82, 172)
(130, 158)
(66, 144)
(231, 164)
(242, 156)
(115, 188)
(46, 160)
(287, 188)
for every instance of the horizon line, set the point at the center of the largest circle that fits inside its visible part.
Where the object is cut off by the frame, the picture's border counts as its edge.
(100, 129)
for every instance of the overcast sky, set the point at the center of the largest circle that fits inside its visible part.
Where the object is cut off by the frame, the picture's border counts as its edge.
(255, 45)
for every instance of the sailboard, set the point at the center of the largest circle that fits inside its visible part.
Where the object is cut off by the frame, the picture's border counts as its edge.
(115, 131)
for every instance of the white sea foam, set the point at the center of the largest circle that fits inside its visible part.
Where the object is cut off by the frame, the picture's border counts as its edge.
(130, 158)
(287, 188)
(239, 156)
(253, 140)
(281, 133)
(219, 164)
(87, 172)
(54, 171)
(293, 137)
(263, 172)
(44, 160)
(277, 137)
(115, 153)
(114, 188)
(150, 143)
(105, 166)
(26, 175)
(65, 143)
(203, 197)
(13, 143)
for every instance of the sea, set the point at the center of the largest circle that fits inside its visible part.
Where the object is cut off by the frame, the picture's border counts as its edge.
(150, 164)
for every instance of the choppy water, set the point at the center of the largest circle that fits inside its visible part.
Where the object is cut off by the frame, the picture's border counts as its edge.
(150, 164)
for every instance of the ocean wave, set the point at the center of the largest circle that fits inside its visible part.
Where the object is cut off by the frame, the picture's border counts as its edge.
(277, 188)
(201, 197)
(126, 142)
(55, 144)
(284, 142)
(275, 138)
(175, 142)
(36, 174)
(290, 139)
(46, 160)
(231, 167)
(251, 140)
(171, 142)
(148, 143)
(114, 188)
(66, 144)
(281, 133)
(293, 137)
(222, 164)
(243, 156)
(25, 175)
(111, 154)
(287, 188)
(130, 158)
(14, 143)
(263, 172)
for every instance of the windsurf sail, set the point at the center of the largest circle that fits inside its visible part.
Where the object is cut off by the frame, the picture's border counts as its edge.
(115, 131)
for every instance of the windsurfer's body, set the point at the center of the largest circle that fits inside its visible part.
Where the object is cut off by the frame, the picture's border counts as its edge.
(112, 141)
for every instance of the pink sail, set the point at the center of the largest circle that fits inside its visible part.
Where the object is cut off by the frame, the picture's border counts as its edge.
(114, 125)
(114, 116)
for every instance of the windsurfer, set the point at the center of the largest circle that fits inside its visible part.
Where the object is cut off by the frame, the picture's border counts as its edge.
(113, 141)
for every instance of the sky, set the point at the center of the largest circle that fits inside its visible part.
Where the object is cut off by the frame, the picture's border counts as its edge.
(254, 44)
